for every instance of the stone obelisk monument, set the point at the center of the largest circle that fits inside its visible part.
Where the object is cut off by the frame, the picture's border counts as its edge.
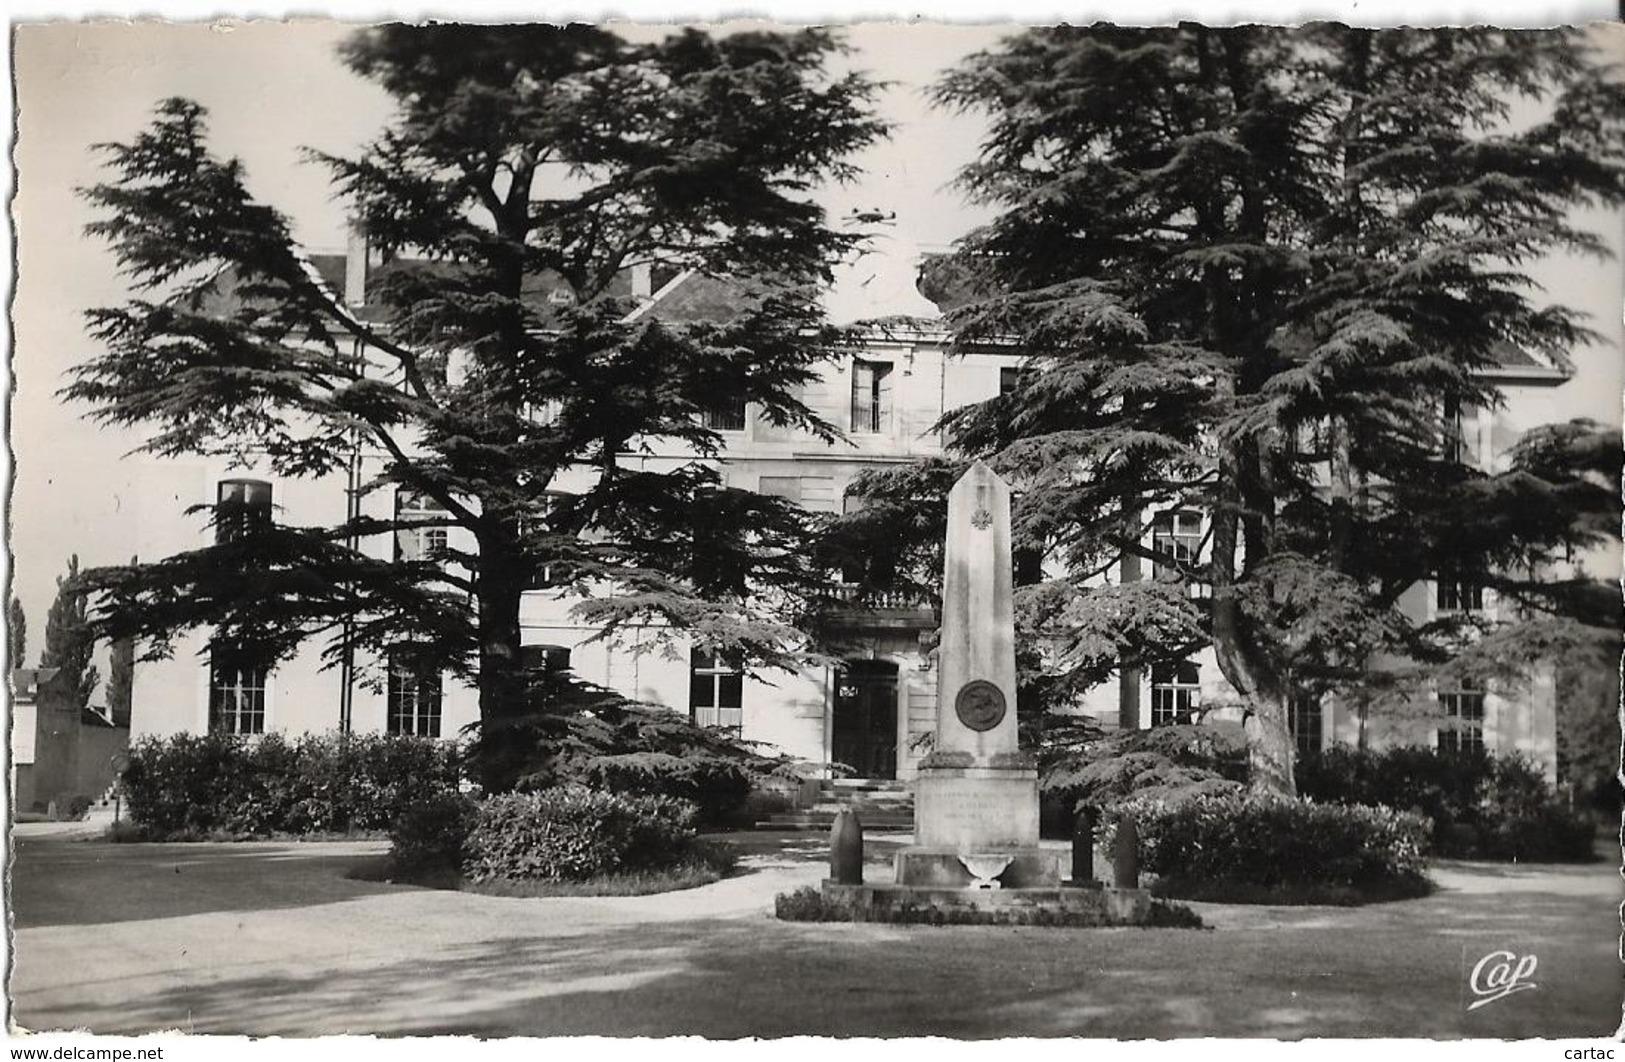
(976, 796)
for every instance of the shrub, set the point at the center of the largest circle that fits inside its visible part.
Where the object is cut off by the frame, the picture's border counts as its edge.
(1242, 842)
(572, 834)
(431, 836)
(1163, 763)
(716, 787)
(577, 733)
(190, 786)
(808, 904)
(1481, 806)
(78, 806)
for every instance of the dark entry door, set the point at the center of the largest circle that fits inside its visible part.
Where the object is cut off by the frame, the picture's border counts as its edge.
(865, 726)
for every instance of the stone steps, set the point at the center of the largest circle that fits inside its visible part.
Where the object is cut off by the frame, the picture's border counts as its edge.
(880, 803)
(822, 821)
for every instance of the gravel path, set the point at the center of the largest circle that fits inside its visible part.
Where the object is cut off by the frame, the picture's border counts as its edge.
(275, 939)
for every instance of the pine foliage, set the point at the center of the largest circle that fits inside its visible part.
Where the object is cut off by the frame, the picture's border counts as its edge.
(70, 641)
(16, 634)
(516, 153)
(1251, 272)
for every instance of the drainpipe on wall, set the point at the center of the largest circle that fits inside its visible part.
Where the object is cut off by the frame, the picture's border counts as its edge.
(355, 297)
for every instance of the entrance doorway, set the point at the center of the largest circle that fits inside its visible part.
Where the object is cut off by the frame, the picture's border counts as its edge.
(865, 718)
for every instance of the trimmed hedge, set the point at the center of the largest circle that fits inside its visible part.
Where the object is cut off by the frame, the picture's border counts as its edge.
(1249, 847)
(190, 787)
(807, 904)
(574, 834)
(1481, 806)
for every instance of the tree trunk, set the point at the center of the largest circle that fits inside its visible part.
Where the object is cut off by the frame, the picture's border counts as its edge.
(1269, 742)
(501, 674)
(1270, 751)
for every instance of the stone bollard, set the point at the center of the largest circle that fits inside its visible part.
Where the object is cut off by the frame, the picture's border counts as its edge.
(1126, 854)
(1083, 847)
(846, 849)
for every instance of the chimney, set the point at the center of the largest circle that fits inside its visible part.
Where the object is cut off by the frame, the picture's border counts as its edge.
(355, 264)
(643, 281)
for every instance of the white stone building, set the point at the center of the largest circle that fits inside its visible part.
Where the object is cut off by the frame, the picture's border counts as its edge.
(873, 712)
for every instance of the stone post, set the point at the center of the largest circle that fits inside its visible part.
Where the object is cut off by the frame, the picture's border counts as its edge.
(1126, 854)
(1083, 847)
(846, 849)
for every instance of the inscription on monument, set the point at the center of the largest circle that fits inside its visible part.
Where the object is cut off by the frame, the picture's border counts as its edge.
(980, 705)
(966, 810)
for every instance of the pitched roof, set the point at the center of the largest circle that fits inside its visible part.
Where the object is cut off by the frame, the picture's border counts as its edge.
(678, 295)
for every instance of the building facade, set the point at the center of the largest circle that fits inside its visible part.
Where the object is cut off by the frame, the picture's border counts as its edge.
(874, 711)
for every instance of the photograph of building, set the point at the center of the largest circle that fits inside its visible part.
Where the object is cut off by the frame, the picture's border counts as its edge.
(754, 530)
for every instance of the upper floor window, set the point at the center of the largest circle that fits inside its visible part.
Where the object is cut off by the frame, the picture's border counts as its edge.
(419, 543)
(1304, 721)
(414, 701)
(871, 396)
(726, 416)
(1458, 595)
(548, 659)
(1028, 565)
(1460, 429)
(241, 507)
(1176, 535)
(716, 690)
(1463, 729)
(236, 690)
(1176, 693)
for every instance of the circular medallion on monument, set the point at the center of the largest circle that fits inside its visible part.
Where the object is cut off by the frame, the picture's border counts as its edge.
(980, 705)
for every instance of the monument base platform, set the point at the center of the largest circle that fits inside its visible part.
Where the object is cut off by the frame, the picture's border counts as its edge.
(1091, 904)
(945, 867)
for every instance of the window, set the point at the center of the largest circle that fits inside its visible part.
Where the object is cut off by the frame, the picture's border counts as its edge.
(876, 568)
(1013, 376)
(1175, 693)
(871, 396)
(1303, 719)
(414, 702)
(1459, 595)
(236, 691)
(242, 506)
(1178, 536)
(549, 659)
(419, 543)
(729, 416)
(1028, 565)
(1460, 431)
(716, 690)
(1464, 719)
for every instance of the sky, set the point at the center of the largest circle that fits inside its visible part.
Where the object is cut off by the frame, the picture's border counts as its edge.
(273, 87)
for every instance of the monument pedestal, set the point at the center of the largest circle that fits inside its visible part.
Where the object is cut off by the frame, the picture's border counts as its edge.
(976, 796)
(968, 818)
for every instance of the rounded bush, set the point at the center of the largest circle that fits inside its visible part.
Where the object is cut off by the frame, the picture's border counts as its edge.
(572, 833)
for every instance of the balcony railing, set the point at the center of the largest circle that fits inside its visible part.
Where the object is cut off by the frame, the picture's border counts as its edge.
(849, 593)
